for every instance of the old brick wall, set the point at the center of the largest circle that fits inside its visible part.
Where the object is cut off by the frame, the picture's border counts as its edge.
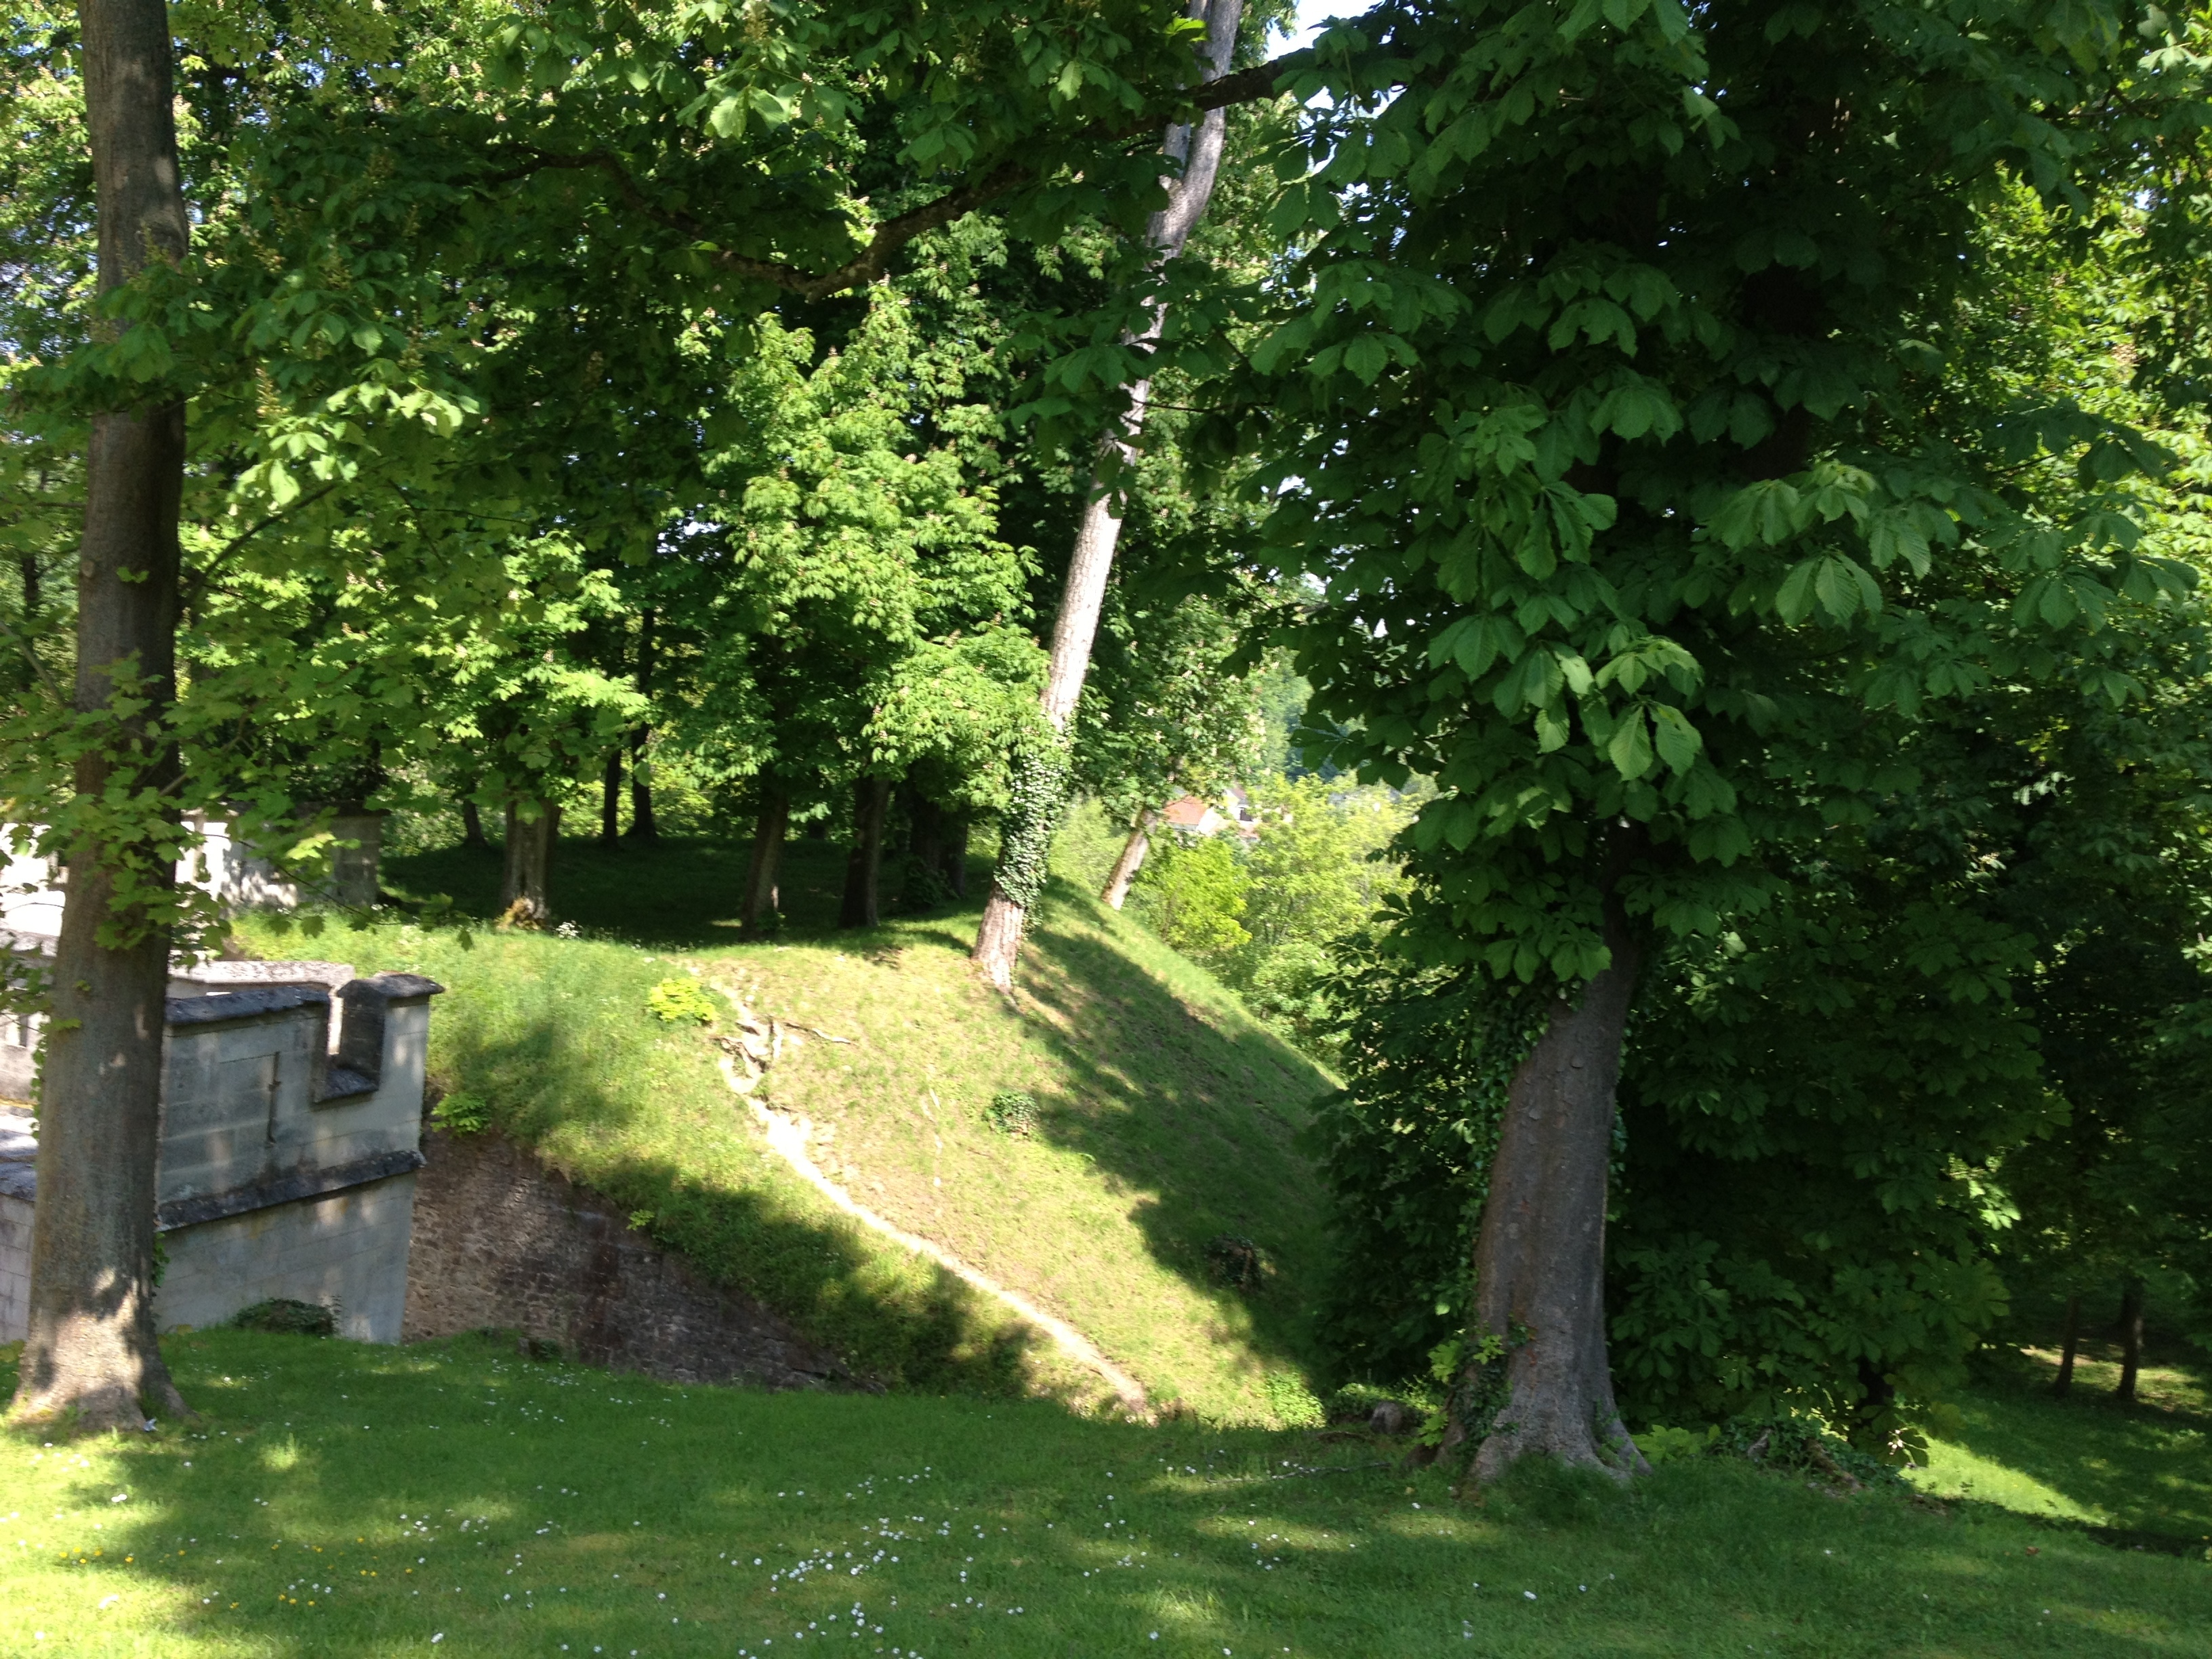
(502, 1242)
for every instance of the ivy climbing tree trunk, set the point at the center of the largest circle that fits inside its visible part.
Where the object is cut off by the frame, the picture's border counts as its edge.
(1116, 890)
(1015, 887)
(532, 828)
(871, 799)
(1537, 1378)
(90, 1350)
(763, 897)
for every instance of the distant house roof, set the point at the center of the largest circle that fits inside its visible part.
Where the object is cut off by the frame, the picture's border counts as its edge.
(1194, 817)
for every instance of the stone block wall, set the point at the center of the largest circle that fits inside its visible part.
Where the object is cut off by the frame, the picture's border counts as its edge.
(501, 1242)
(347, 1250)
(287, 1153)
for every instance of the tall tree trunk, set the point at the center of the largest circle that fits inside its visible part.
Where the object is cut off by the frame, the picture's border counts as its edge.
(954, 868)
(871, 799)
(1116, 890)
(2131, 1337)
(530, 842)
(1039, 796)
(925, 829)
(472, 830)
(763, 897)
(642, 824)
(610, 802)
(2062, 1384)
(91, 1349)
(1546, 1385)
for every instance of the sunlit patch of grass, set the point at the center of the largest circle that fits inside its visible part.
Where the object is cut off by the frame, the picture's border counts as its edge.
(1951, 1471)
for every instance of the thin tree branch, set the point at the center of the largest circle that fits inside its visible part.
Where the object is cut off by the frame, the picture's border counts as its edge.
(1244, 86)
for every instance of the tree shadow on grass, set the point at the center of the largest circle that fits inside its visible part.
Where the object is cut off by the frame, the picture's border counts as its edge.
(1198, 1113)
(337, 1499)
(2147, 1466)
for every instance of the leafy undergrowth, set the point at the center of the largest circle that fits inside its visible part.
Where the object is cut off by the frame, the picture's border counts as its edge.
(2144, 1469)
(339, 1499)
(1157, 1122)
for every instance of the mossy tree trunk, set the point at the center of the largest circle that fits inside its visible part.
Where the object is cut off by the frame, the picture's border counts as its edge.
(90, 1352)
(1538, 1379)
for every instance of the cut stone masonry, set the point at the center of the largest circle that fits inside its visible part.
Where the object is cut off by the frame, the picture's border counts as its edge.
(289, 1148)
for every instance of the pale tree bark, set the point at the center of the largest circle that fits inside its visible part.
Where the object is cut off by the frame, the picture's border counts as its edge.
(763, 896)
(1116, 890)
(1547, 1385)
(1005, 913)
(91, 1350)
(534, 827)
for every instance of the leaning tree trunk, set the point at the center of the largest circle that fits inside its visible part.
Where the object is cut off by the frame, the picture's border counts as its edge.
(2131, 1339)
(532, 828)
(871, 799)
(472, 830)
(2062, 1384)
(762, 896)
(1039, 791)
(1539, 1379)
(1116, 890)
(90, 1351)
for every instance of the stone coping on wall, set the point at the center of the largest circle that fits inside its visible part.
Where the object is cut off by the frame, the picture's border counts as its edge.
(285, 1188)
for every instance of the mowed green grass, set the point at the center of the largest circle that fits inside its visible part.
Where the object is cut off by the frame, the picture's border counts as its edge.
(1164, 1116)
(455, 1499)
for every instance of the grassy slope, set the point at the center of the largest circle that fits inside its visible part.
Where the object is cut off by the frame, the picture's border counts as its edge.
(1164, 1115)
(339, 1499)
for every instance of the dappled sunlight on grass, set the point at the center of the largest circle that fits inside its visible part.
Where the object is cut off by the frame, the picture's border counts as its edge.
(458, 1491)
(2141, 1468)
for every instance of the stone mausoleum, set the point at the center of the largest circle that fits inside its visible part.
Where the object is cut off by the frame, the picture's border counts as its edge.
(291, 1133)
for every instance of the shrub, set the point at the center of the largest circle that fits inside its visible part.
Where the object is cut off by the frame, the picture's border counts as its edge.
(675, 1002)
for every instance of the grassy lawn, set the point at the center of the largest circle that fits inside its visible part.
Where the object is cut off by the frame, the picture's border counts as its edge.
(1163, 1117)
(2144, 1468)
(339, 1499)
